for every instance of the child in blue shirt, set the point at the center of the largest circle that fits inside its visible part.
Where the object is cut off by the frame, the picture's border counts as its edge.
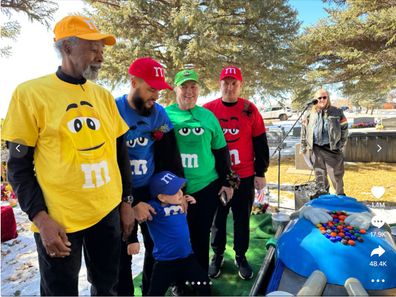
(174, 258)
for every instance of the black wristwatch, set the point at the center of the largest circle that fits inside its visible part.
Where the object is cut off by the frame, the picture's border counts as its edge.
(128, 199)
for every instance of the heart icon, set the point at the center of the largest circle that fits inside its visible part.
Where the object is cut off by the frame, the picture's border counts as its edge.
(377, 191)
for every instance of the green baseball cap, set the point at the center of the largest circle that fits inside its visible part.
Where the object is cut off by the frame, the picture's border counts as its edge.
(185, 75)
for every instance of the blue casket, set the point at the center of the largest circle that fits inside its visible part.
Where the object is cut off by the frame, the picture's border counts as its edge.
(303, 249)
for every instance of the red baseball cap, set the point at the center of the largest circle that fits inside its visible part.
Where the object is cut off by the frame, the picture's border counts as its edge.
(150, 71)
(231, 71)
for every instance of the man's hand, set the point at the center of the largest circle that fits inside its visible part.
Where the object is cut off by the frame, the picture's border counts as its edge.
(228, 190)
(187, 199)
(127, 216)
(133, 248)
(52, 235)
(315, 215)
(361, 220)
(144, 212)
(259, 182)
(190, 199)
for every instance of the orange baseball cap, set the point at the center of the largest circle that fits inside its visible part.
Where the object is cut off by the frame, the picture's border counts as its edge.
(81, 27)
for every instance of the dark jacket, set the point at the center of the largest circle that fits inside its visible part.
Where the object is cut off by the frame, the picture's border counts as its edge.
(337, 127)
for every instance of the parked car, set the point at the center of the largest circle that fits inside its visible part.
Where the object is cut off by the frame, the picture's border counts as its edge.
(277, 112)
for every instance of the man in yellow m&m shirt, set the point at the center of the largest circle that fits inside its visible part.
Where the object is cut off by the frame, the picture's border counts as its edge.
(69, 164)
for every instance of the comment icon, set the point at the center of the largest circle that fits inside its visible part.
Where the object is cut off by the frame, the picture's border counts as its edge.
(377, 221)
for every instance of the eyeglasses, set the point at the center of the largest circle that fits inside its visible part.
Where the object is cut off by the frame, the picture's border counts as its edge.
(324, 98)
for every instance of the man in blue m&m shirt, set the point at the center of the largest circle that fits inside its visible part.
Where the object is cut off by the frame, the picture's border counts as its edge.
(152, 148)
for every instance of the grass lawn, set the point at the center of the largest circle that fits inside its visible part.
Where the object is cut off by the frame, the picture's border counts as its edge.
(359, 178)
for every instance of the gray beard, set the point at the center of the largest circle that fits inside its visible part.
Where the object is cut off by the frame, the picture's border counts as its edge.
(92, 71)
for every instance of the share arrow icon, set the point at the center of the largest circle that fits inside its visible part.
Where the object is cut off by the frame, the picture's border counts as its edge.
(378, 251)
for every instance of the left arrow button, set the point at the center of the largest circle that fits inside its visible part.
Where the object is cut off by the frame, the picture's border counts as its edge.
(18, 149)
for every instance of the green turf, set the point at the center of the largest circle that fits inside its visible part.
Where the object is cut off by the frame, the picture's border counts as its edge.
(137, 281)
(229, 283)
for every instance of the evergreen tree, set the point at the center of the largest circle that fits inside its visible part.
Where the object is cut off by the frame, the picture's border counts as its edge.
(355, 46)
(36, 10)
(254, 35)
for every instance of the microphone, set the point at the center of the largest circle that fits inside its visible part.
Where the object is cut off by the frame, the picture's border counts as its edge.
(312, 102)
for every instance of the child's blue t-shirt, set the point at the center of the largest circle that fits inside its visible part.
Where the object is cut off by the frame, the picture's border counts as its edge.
(169, 231)
(140, 139)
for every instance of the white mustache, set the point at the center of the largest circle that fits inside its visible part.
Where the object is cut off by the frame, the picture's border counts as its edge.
(95, 67)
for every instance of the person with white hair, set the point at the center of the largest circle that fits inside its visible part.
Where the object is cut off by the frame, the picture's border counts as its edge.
(69, 164)
(324, 133)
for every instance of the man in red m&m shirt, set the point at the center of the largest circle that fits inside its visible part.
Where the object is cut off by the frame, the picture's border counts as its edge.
(244, 131)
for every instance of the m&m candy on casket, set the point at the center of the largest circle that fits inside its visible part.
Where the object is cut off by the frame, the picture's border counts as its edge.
(337, 230)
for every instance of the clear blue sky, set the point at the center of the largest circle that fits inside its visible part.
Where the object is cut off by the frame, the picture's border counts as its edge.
(309, 11)
(34, 56)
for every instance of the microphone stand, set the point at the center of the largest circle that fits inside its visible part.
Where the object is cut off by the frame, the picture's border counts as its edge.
(280, 146)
